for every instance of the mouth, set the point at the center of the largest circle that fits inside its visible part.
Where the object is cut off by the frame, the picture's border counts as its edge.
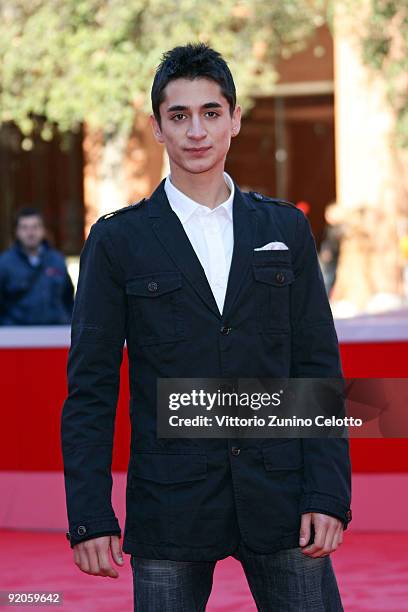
(197, 150)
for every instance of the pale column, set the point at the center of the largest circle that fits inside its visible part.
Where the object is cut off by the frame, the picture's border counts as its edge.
(121, 170)
(369, 182)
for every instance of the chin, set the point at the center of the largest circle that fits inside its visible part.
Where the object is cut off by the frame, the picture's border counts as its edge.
(199, 169)
(200, 166)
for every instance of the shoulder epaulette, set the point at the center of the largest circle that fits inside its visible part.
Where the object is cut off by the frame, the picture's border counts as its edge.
(260, 197)
(121, 210)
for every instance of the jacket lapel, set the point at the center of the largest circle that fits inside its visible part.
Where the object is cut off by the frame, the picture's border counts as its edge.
(170, 232)
(244, 223)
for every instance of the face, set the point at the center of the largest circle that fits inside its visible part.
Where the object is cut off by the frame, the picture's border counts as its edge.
(30, 231)
(196, 125)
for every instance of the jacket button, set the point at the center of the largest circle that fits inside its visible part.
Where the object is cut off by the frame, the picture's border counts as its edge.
(152, 286)
(280, 277)
(225, 330)
(235, 450)
(81, 530)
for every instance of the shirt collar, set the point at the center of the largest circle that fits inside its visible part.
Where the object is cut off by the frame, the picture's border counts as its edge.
(184, 206)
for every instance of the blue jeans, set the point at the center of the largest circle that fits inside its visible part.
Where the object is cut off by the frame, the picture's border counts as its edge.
(284, 581)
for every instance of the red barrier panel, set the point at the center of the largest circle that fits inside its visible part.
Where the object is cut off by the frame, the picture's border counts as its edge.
(382, 360)
(33, 389)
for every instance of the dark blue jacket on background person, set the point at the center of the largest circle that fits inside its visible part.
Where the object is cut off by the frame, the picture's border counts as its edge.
(195, 499)
(35, 296)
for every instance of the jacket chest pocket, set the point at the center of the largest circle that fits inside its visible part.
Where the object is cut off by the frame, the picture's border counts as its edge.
(156, 308)
(272, 296)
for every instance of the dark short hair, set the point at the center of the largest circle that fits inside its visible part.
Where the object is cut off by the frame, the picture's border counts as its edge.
(27, 211)
(192, 61)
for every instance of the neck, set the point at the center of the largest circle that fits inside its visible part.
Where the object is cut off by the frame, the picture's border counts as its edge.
(32, 250)
(207, 188)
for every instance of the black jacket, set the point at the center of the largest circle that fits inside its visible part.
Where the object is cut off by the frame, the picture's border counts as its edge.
(194, 499)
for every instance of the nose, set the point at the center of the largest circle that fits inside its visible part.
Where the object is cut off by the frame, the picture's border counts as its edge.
(196, 129)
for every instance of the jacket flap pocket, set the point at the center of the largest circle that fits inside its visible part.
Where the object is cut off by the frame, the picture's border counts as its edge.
(154, 285)
(278, 276)
(166, 468)
(285, 456)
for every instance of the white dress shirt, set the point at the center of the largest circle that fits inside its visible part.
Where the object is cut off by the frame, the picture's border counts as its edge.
(210, 231)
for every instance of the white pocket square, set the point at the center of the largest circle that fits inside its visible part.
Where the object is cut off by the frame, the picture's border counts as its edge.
(273, 246)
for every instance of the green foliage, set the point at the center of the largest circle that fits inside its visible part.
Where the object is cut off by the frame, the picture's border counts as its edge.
(93, 60)
(385, 48)
(72, 61)
(382, 29)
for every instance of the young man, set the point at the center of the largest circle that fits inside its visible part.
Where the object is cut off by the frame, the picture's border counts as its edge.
(35, 287)
(177, 275)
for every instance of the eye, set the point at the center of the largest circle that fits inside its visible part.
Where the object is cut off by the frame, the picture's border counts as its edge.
(212, 114)
(178, 117)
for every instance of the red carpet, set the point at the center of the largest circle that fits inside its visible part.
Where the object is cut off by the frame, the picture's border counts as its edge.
(372, 572)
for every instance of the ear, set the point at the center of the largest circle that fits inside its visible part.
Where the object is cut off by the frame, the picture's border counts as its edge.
(236, 121)
(156, 129)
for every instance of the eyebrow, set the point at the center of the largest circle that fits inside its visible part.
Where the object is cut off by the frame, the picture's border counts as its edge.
(181, 107)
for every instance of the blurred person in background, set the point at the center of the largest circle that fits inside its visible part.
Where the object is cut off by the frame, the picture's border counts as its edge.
(330, 246)
(35, 287)
(304, 207)
(403, 244)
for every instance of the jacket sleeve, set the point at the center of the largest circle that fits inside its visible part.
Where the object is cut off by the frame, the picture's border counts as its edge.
(315, 354)
(98, 333)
